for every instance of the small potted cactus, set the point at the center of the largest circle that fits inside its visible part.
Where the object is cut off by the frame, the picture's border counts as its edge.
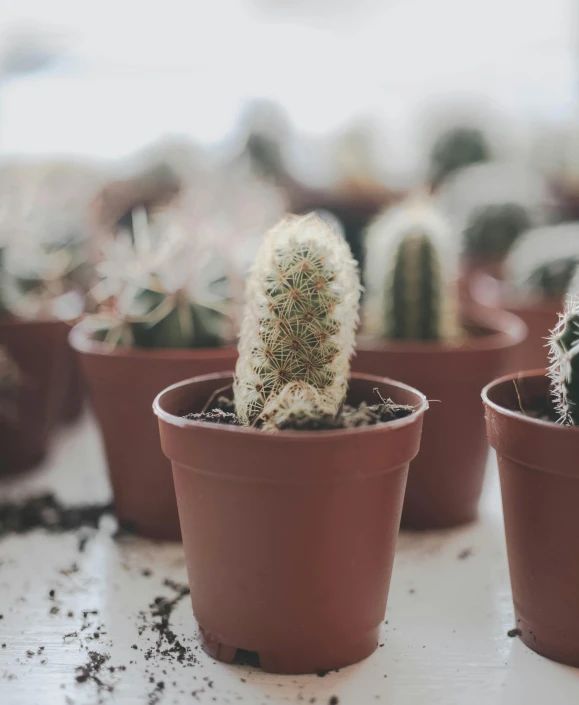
(537, 275)
(162, 314)
(290, 499)
(413, 332)
(532, 422)
(490, 206)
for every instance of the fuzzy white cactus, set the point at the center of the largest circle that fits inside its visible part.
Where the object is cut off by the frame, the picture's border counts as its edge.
(300, 318)
(297, 403)
(564, 358)
(541, 263)
(411, 274)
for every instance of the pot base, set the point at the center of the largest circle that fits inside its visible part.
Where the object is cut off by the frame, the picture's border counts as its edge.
(548, 642)
(307, 658)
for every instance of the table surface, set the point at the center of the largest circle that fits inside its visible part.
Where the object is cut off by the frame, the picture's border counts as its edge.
(445, 639)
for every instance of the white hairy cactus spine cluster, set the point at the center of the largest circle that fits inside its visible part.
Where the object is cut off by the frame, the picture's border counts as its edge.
(300, 319)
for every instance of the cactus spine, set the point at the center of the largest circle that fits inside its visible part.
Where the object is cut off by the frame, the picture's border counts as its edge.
(411, 276)
(564, 358)
(300, 317)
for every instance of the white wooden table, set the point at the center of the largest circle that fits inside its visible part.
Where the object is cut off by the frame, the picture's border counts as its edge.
(445, 640)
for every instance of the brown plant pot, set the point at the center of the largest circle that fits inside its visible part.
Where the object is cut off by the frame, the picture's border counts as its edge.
(539, 317)
(539, 476)
(74, 390)
(445, 479)
(36, 348)
(289, 538)
(122, 384)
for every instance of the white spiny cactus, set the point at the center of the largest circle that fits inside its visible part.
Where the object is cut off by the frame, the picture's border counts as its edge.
(540, 265)
(564, 358)
(411, 274)
(300, 318)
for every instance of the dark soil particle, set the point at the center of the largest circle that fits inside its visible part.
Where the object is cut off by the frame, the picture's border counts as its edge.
(514, 632)
(334, 700)
(466, 553)
(48, 513)
(91, 670)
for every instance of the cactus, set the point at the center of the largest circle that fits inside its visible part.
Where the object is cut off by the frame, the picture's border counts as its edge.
(491, 205)
(298, 405)
(541, 264)
(411, 274)
(300, 319)
(455, 149)
(158, 290)
(564, 358)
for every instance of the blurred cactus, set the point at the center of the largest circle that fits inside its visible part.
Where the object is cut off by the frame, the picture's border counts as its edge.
(455, 149)
(564, 358)
(541, 264)
(44, 266)
(159, 288)
(411, 275)
(573, 288)
(492, 229)
(300, 318)
(492, 204)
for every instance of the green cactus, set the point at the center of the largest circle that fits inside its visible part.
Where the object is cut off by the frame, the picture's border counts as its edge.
(492, 229)
(564, 358)
(411, 276)
(455, 149)
(300, 318)
(539, 267)
(164, 293)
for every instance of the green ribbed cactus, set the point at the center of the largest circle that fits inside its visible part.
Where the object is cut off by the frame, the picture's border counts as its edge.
(411, 274)
(300, 317)
(455, 149)
(564, 358)
(539, 267)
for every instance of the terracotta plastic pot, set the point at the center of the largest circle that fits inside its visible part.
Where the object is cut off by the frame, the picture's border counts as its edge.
(36, 348)
(539, 471)
(445, 480)
(539, 317)
(122, 384)
(289, 538)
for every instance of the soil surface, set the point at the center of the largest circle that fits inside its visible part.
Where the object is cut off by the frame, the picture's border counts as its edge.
(348, 417)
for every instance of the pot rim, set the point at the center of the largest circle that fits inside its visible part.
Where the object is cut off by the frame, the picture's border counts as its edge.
(81, 340)
(499, 409)
(9, 321)
(503, 330)
(183, 423)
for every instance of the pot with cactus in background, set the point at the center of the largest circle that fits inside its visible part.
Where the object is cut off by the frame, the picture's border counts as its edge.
(162, 315)
(413, 331)
(532, 422)
(539, 270)
(42, 269)
(490, 206)
(290, 474)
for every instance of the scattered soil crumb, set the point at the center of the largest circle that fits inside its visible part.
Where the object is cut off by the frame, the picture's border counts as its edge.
(334, 700)
(48, 513)
(91, 670)
(514, 632)
(464, 554)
